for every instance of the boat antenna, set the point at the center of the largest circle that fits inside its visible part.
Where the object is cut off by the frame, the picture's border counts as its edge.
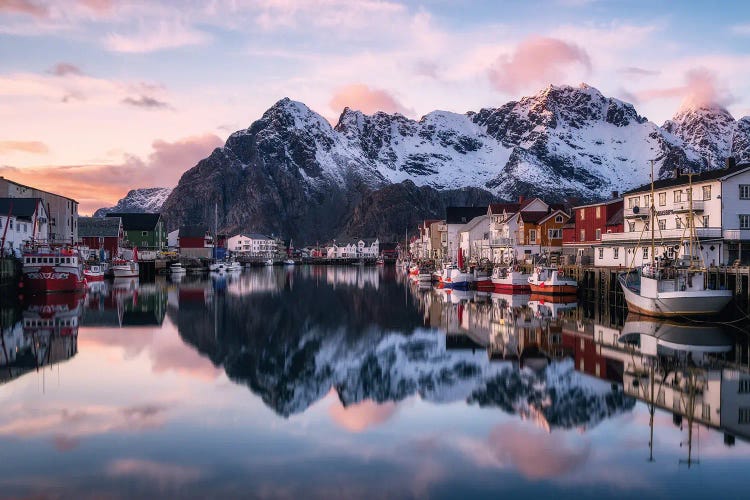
(651, 215)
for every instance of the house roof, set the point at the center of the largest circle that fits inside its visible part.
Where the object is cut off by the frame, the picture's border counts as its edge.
(498, 208)
(601, 203)
(193, 231)
(462, 215)
(617, 218)
(94, 227)
(554, 213)
(22, 208)
(36, 189)
(475, 222)
(533, 217)
(683, 179)
(137, 222)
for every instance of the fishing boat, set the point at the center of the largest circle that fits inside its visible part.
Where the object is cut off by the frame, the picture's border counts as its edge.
(548, 280)
(380, 261)
(510, 279)
(483, 280)
(424, 275)
(121, 268)
(460, 279)
(233, 265)
(93, 273)
(177, 268)
(48, 270)
(269, 262)
(289, 262)
(668, 287)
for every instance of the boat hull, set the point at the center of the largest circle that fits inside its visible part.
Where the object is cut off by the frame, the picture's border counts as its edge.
(511, 287)
(49, 280)
(553, 289)
(673, 304)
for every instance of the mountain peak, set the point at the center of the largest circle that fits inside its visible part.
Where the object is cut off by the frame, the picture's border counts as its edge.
(139, 201)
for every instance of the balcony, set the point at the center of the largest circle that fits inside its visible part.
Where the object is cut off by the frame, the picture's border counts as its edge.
(636, 212)
(664, 234)
(502, 242)
(737, 234)
(684, 206)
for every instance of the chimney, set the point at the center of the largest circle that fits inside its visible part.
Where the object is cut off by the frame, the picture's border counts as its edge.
(521, 199)
(677, 173)
(730, 163)
(615, 195)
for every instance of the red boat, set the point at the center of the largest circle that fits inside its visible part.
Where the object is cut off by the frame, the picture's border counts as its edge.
(47, 270)
(93, 273)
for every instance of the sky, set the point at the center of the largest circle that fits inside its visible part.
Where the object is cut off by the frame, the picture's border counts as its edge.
(101, 96)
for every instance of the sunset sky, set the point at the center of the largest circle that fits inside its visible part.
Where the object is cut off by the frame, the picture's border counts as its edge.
(101, 96)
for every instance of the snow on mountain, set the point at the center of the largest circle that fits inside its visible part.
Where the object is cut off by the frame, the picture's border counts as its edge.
(708, 130)
(139, 201)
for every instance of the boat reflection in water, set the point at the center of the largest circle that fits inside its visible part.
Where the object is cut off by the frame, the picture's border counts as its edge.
(47, 334)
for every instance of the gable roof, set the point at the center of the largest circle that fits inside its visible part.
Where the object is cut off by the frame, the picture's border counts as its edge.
(462, 215)
(532, 217)
(95, 227)
(709, 175)
(193, 231)
(617, 217)
(475, 222)
(601, 203)
(555, 213)
(498, 208)
(22, 208)
(137, 222)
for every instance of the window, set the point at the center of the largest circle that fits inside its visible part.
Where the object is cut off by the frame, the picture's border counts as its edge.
(583, 235)
(633, 202)
(744, 191)
(601, 253)
(678, 223)
(744, 386)
(532, 235)
(631, 226)
(598, 234)
(10, 224)
(706, 412)
(705, 221)
(662, 199)
(598, 212)
(559, 219)
(647, 200)
(706, 192)
(616, 253)
(144, 233)
(678, 196)
(583, 213)
(744, 221)
(645, 252)
(744, 416)
(554, 234)
(662, 224)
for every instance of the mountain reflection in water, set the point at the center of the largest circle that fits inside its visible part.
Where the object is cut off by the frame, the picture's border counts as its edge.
(374, 346)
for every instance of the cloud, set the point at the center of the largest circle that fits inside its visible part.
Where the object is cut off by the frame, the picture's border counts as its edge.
(741, 29)
(163, 473)
(33, 147)
(64, 69)
(24, 7)
(636, 71)
(536, 60)
(368, 100)
(701, 88)
(361, 416)
(96, 186)
(145, 102)
(164, 35)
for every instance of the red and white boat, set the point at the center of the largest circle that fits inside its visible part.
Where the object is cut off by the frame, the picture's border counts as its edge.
(47, 270)
(483, 280)
(93, 273)
(551, 281)
(510, 280)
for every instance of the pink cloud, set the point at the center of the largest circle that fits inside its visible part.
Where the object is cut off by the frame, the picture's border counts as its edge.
(96, 186)
(701, 88)
(536, 60)
(34, 147)
(361, 416)
(24, 7)
(368, 100)
(64, 69)
(163, 473)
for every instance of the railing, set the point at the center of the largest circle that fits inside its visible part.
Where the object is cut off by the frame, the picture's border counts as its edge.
(502, 242)
(635, 212)
(737, 234)
(684, 206)
(701, 232)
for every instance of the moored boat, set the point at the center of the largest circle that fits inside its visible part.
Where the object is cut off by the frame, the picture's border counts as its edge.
(48, 270)
(510, 280)
(289, 262)
(551, 281)
(177, 268)
(124, 268)
(268, 262)
(93, 273)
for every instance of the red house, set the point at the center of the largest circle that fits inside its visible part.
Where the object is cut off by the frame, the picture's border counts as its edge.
(587, 225)
(101, 233)
(195, 241)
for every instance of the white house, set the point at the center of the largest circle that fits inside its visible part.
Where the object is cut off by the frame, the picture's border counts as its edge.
(506, 233)
(21, 221)
(720, 202)
(173, 239)
(253, 244)
(455, 218)
(474, 239)
(356, 248)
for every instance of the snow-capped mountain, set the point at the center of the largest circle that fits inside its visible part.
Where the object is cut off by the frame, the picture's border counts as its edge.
(292, 173)
(708, 130)
(139, 201)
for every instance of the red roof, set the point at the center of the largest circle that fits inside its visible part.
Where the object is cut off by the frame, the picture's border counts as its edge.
(533, 217)
(498, 208)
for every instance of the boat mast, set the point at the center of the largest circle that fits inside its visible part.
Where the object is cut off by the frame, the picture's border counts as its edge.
(691, 217)
(651, 215)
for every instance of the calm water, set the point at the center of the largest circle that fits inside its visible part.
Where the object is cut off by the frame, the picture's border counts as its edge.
(351, 382)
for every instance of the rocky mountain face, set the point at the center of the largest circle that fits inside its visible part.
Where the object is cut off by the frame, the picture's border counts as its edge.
(291, 173)
(139, 201)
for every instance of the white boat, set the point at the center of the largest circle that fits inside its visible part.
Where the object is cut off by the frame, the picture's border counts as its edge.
(177, 268)
(510, 279)
(667, 287)
(233, 265)
(459, 279)
(124, 269)
(289, 262)
(424, 275)
(269, 262)
(551, 281)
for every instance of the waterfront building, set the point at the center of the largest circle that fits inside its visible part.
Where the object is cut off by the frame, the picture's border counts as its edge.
(101, 233)
(252, 244)
(455, 218)
(587, 225)
(143, 230)
(366, 248)
(474, 239)
(21, 220)
(61, 211)
(720, 202)
(195, 242)
(504, 227)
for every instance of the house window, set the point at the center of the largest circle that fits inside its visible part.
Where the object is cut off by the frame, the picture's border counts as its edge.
(583, 213)
(10, 223)
(678, 196)
(744, 386)
(631, 226)
(704, 219)
(645, 252)
(646, 200)
(144, 233)
(678, 223)
(554, 234)
(662, 224)
(583, 235)
(662, 199)
(744, 191)
(744, 416)
(598, 212)
(532, 235)
(744, 221)
(601, 253)
(706, 192)
(559, 219)
(706, 412)
(598, 234)
(633, 202)
(616, 253)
